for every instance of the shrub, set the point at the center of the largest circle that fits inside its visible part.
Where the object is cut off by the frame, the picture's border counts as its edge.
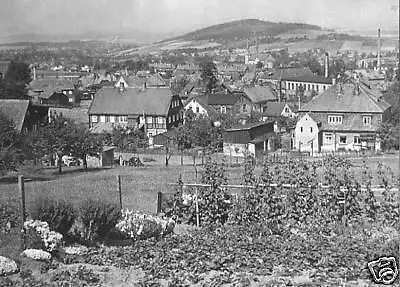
(137, 225)
(9, 217)
(98, 218)
(51, 240)
(60, 215)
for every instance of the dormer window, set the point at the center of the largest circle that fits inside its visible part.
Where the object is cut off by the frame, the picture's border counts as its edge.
(121, 85)
(367, 120)
(335, 119)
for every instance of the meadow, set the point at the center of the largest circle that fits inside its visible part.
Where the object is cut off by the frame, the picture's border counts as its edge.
(139, 185)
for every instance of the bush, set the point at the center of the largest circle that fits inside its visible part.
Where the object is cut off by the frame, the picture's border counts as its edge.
(98, 218)
(59, 215)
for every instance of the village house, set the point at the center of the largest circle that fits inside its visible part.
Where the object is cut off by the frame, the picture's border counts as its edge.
(224, 102)
(251, 139)
(25, 115)
(53, 91)
(199, 107)
(308, 83)
(274, 110)
(154, 110)
(260, 96)
(344, 117)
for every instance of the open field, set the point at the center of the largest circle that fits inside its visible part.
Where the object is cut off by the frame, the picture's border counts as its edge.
(139, 185)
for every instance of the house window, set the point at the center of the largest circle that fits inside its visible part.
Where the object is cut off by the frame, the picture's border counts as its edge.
(311, 129)
(317, 88)
(94, 119)
(173, 118)
(102, 119)
(301, 129)
(197, 110)
(342, 139)
(107, 119)
(112, 119)
(292, 86)
(123, 119)
(357, 140)
(223, 109)
(335, 119)
(313, 87)
(324, 88)
(149, 120)
(328, 138)
(286, 110)
(244, 107)
(366, 120)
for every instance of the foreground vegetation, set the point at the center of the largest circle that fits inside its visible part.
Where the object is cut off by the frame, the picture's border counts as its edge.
(302, 235)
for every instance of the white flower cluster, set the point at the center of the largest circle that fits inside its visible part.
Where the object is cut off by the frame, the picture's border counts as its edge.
(139, 225)
(52, 240)
(7, 266)
(37, 254)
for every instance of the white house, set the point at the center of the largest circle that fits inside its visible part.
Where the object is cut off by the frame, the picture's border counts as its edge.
(306, 135)
(197, 107)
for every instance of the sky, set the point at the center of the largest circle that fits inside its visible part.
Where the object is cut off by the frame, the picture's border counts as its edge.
(178, 16)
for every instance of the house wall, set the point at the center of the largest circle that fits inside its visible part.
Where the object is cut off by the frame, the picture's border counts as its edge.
(355, 141)
(292, 86)
(175, 112)
(306, 135)
(196, 108)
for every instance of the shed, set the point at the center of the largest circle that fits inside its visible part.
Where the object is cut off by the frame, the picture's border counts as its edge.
(106, 158)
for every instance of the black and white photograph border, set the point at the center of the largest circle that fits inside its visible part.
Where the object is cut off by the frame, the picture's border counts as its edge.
(199, 143)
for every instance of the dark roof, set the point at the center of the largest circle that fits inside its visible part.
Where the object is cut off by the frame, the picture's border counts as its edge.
(248, 126)
(131, 101)
(223, 99)
(49, 86)
(259, 94)
(274, 109)
(264, 137)
(308, 79)
(155, 80)
(343, 98)
(282, 73)
(15, 110)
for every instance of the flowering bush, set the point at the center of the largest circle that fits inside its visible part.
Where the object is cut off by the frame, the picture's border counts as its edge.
(37, 254)
(138, 225)
(51, 239)
(7, 266)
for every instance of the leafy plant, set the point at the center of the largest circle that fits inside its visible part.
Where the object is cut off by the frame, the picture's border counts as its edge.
(98, 218)
(60, 215)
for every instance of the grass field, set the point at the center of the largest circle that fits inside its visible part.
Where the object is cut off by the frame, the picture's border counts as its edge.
(139, 185)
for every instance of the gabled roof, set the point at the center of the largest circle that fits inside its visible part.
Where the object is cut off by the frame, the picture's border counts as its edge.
(155, 80)
(48, 86)
(343, 97)
(259, 94)
(15, 110)
(131, 101)
(274, 109)
(223, 99)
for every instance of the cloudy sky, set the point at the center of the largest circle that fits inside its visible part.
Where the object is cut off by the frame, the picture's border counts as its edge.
(166, 16)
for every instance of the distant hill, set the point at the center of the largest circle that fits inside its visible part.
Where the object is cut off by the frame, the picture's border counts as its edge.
(243, 29)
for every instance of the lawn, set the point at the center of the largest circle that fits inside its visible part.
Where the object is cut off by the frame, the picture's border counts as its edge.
(139, 185)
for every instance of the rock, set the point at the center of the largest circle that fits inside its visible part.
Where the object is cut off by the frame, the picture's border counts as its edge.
(7, 266)
(37, 254)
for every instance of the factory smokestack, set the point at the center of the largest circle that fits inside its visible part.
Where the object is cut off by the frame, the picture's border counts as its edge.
(326, 65)
(379, 48)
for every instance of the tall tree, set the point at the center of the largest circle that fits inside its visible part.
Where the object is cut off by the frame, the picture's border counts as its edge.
(10, 152)
(208, 74)
(16, 79)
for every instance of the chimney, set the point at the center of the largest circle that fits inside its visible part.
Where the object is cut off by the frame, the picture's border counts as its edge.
(326, 65)
(34, 72)
(379, 49)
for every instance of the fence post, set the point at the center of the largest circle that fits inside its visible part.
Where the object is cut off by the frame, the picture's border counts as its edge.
(159, 201)
(119, 190)
(21, 187)
(197, 208)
